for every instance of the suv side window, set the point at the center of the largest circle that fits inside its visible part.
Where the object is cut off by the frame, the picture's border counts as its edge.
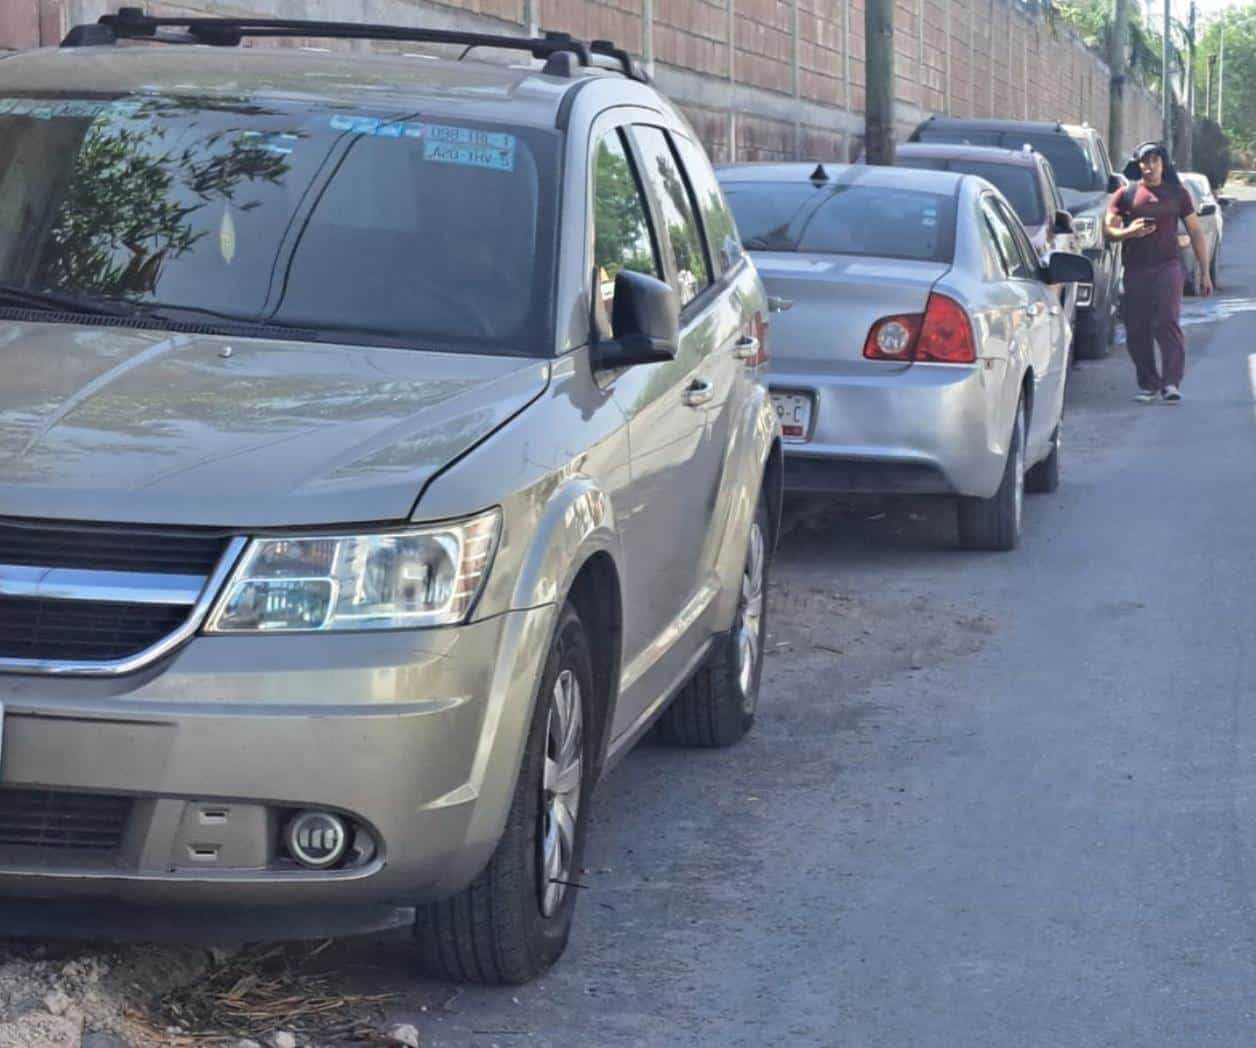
(691, 274)
(717, 219)
(621, 226)
(1005, 239)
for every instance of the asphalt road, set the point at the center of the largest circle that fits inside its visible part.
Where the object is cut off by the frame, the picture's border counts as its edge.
(1003, 800)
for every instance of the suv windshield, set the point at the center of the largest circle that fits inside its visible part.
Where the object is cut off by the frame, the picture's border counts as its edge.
(386, 228)
(1018, 183)
(1068, 156)
(844, 220)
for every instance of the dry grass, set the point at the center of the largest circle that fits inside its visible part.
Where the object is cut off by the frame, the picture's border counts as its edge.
(259, 992)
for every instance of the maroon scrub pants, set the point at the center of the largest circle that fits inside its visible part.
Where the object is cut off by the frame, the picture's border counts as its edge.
(1151, 308)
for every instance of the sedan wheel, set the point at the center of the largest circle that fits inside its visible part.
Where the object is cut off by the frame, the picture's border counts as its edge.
(995, 523)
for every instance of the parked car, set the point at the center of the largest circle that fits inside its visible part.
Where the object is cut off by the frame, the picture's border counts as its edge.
(1211, 221)
(923, 350)
(351, 529)
(1084, 174)
(1025, 179)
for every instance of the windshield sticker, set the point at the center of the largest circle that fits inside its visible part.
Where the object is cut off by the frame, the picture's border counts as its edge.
(470, 156)
(443, 143)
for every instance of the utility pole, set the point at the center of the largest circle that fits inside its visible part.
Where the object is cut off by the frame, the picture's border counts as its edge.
(1117, 60)
(1221, 77)
(1188, 123)
(879, 67)
(1212, 72)
(1166, 88)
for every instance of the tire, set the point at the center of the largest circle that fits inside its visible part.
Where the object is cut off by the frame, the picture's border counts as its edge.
(1190, 286)
(995, 523)
(1044, 478)
(1212, 267)
(717, 707)
(514, 920)
(1095, 343)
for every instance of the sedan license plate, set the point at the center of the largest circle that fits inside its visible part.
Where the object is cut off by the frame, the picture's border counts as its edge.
(794, 411)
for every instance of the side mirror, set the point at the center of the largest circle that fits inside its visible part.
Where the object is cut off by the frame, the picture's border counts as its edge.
(1208, 209)
(1114, 184)
(646, 323)
(1063, 222)
(1066, 268)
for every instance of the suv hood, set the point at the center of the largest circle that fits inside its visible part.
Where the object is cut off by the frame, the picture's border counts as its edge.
(146, 427)
(1077, 201)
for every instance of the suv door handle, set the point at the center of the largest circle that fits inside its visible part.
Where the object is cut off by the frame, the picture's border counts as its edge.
(746, 347)
(699, 393)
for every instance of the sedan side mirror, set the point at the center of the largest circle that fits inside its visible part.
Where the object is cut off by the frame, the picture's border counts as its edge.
(1207, 209)
(1063, 222)
(1066, 268)
(646, 323)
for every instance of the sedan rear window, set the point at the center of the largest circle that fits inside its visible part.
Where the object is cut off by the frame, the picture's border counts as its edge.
(844, 220)
(1019, 184)
(360, 226)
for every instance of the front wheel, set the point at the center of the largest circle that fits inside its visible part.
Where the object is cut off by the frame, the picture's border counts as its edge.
(514, 920)
(1092, 343)
(717, 707)
(1044, 478)
(995, 523)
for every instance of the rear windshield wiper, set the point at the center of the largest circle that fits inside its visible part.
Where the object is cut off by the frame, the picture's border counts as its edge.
(57, 302)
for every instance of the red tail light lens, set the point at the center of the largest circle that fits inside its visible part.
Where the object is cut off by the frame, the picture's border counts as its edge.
(893, 338)
(942, 334)
(947, 335)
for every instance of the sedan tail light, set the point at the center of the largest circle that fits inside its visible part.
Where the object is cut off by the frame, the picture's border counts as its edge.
(942, 334)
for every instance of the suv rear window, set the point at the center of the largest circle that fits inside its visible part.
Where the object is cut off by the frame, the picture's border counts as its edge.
(353, 226)
(1069, 157)
(844, 220)
(1019, 184)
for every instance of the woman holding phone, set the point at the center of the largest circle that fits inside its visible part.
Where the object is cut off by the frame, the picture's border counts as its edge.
(1144, 217)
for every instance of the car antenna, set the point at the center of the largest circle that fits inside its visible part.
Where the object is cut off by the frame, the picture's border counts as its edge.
(819, 174)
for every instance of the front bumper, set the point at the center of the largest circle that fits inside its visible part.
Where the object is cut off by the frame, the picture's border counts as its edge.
(927, 429)
(416, 736)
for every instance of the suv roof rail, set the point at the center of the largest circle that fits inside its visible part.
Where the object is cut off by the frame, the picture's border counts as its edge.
(131, 23)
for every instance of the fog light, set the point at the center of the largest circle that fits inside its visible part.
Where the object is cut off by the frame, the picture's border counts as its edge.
(317, 839)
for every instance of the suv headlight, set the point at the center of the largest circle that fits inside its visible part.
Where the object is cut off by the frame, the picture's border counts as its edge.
(428, 576)
(1088, 232)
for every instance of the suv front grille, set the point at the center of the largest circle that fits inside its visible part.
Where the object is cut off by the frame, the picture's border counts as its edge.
(53, 820)
(107, 548)
(84, 598)
(70, 630)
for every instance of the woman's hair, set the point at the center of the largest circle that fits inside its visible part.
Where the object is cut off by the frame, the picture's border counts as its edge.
(1134, 173)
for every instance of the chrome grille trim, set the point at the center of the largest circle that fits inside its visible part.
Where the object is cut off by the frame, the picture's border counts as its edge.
(105, 587)
(207, 592)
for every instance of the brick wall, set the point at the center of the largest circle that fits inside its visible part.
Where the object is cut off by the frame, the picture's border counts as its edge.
(760, 79)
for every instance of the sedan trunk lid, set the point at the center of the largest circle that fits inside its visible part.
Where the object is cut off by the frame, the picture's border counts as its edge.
(836, 299)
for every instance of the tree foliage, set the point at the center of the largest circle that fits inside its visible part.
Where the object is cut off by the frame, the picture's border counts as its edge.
(1239, 118)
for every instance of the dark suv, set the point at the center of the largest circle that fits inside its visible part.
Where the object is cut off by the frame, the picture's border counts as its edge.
(1085, 177)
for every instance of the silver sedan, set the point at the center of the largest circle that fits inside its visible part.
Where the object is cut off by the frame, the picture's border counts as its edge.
(918, 346)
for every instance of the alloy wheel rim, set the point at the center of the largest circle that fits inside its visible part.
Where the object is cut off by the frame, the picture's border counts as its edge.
(561, 782)
(749, 633)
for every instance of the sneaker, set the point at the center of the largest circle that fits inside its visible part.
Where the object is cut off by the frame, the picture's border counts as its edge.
(1146, 396)
(1171, 395)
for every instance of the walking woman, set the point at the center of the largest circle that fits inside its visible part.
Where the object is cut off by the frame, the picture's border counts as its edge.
(1144, 218)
